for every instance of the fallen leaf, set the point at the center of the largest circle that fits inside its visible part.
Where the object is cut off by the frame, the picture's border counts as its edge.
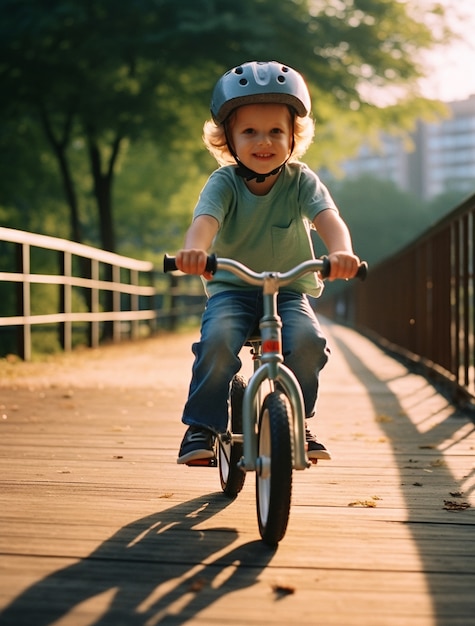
(197, 584)
(450, 505)
(438, 463)
(369, 504)
(283, 590)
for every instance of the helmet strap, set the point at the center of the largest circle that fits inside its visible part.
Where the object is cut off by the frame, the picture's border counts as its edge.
(248, 174)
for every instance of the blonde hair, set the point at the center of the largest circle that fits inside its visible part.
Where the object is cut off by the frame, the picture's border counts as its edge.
(214, 137)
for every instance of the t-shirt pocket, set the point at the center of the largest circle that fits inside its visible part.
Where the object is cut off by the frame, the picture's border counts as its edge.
(289, 246)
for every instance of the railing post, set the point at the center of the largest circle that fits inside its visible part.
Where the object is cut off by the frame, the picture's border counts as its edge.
(26, 301)
(94, 303)
(20, 305)
(108, 328)
(173, 317)
(153, 303)
(116, 303)
(65, 300)
(134, 304)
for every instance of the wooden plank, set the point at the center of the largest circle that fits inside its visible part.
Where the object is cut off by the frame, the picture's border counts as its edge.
(99, 525)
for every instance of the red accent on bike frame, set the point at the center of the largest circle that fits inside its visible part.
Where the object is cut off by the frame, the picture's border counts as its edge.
(271, 345)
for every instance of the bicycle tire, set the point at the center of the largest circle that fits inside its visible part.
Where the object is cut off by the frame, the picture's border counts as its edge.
(231, 476)
(274, 471)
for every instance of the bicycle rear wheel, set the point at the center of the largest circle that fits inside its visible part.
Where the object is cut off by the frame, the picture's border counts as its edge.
(274, 469)
(229, 453)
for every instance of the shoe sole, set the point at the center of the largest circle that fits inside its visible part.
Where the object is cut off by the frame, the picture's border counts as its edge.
(321, 455)
(196, 455)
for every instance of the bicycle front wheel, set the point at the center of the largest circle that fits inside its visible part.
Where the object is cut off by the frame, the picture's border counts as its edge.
(274, 468)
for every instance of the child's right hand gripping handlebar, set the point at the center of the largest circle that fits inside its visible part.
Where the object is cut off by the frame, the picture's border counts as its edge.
(169, 264)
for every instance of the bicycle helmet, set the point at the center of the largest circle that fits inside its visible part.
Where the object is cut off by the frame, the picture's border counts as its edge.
(259, 82)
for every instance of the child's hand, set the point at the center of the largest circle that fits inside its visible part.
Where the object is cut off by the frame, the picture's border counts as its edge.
(344, 265)
(193, 262)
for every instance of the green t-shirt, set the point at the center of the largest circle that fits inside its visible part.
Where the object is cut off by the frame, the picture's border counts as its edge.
(266, 233)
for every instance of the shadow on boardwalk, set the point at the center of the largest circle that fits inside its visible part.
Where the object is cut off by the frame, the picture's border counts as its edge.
(159, 569)
(445, 546)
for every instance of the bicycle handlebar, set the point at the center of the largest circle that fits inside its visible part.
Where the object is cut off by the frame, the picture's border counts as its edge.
(254, 278)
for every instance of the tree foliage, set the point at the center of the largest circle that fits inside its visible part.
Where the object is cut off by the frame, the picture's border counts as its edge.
(384, 218)
(98, 78)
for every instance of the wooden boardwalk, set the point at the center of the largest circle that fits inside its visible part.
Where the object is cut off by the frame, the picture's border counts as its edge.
(99, 526)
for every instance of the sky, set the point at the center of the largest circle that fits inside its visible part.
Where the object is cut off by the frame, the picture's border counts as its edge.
(452, 70)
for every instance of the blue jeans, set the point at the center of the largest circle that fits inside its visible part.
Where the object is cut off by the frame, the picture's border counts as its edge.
(230, 318)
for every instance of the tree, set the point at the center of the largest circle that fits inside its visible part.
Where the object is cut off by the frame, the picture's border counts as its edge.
(99, 75)
(153, 211)
(383, 218)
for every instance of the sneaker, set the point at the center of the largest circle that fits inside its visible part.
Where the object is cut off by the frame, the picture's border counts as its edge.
(198, 443)
(315, 449)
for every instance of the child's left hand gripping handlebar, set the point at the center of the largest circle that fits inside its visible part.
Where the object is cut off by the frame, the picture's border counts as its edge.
(361, 273)
(169, 264)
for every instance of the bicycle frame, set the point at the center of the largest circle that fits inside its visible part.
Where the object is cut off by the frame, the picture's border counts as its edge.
(272, 367)
(268, 365)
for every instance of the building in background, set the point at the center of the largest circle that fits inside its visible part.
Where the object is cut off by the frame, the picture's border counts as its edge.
(442, 156)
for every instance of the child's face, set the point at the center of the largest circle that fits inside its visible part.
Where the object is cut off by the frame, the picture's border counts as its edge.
(262, 136)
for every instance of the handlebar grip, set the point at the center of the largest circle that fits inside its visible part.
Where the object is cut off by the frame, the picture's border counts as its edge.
(361, 273)
(169, 264)
(326, 267)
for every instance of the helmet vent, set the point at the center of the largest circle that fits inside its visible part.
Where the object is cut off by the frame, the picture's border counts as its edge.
(281, 79)
(239, 70)
(243, 82)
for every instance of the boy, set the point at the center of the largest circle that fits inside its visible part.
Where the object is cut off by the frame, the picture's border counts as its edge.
(257, 209)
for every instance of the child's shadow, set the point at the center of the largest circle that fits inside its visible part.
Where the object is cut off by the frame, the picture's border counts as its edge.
(159, 569)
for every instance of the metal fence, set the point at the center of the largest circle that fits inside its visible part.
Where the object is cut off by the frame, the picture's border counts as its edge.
(420, 302)
(47, 282)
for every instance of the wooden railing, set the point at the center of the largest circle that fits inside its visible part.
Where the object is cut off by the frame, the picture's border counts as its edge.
(420, 303)
(110, 294)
